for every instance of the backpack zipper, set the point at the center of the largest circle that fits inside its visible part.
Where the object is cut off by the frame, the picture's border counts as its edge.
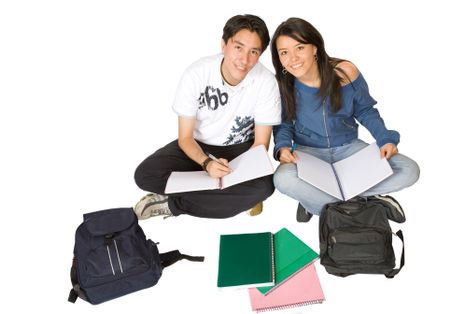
(108, 242)
(118, 256)
(110, 260)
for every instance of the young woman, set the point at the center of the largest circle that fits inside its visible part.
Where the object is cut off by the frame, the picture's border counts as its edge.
(322, 98)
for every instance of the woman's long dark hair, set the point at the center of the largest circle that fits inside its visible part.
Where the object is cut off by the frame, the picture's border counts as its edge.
(330, 81)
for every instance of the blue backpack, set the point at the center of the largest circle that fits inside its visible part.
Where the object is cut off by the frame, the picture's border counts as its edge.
(112, 257)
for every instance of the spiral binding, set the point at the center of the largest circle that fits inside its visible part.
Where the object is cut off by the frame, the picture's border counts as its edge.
(273, 258)
(288, 306)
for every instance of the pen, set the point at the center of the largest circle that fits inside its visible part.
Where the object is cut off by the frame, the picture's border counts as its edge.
(216, 160)
(293, 148)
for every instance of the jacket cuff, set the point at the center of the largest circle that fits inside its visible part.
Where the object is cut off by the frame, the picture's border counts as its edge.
(386, 140)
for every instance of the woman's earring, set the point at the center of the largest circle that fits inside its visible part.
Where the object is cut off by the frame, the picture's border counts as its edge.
(284, 71)
(315, 57)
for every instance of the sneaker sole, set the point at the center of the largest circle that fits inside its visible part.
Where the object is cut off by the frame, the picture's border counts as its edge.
(256, 210)
(149, 207)
(143, 205)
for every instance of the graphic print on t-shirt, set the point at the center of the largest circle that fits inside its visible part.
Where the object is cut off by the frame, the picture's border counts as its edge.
(212, 97)
(242, 131)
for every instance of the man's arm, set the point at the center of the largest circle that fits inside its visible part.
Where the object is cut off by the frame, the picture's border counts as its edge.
(262, 135)
(186, 140)
(191, 148)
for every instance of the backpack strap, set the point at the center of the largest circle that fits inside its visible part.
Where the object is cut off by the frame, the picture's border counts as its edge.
(172, 257)
(402, 259)
(76, 290)
(73, 296)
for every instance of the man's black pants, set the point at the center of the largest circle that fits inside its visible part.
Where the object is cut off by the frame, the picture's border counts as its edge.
(152, 174)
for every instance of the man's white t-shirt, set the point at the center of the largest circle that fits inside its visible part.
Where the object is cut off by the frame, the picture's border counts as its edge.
(225, 114)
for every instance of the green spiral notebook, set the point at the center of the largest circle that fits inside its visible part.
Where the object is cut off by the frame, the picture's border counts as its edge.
(246, 260)
(291, 256)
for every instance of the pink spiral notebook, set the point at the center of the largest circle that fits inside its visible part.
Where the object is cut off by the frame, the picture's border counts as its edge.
(303, 288)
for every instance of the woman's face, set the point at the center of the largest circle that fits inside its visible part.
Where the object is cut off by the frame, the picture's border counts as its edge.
(297, 58)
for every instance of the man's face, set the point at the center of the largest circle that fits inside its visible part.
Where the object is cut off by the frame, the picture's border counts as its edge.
(241, 53)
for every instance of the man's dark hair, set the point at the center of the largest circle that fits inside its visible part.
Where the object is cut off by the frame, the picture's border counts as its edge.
(247, 21)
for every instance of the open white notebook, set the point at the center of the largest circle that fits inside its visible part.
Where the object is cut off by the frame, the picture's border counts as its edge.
(346, 178)
(250, 165)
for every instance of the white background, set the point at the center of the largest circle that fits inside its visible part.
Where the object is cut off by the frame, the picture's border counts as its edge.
(86, 89)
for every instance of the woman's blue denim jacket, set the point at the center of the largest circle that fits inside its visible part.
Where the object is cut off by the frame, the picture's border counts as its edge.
(316, 125)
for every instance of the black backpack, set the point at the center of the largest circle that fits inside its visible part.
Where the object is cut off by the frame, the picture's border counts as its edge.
(112, 257)
(356, 238)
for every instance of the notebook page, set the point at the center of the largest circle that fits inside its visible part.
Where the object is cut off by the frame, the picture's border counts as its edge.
(318, 173)
(362, 170)
(250, 165)
(190, 181)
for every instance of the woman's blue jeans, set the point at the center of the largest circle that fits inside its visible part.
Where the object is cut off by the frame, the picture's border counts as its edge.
(406, 173)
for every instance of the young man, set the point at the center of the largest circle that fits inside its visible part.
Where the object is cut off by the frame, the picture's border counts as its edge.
(225, 104)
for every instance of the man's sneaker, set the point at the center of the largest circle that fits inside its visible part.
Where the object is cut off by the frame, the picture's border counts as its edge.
(393, 209)
(302, 214)
(152, 205)
(256, 210)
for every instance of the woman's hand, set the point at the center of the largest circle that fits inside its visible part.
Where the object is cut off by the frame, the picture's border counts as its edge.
(286, 156)
(218, 169)
(388, 150)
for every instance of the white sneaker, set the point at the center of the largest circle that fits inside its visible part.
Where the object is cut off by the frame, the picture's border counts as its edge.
(394, 209)
(152, 205)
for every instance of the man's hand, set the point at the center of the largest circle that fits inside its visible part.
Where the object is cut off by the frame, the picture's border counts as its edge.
(218, 169)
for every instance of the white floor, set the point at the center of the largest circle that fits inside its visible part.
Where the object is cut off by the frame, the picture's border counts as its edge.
(85, 94)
